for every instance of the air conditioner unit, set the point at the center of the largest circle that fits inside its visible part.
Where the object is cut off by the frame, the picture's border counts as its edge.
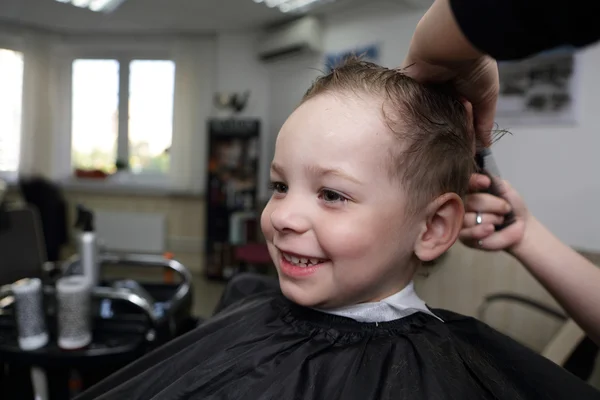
(299, 36)
(419, 4)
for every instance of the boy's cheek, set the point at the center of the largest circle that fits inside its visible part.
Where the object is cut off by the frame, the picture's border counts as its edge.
(265, 224)
(346, 240)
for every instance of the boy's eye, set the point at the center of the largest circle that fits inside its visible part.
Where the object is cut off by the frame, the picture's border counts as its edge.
(329, 196)
(278, 187)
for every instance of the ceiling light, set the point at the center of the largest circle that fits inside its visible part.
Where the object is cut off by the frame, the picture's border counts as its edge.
(289, 6)
(81, 3)
(105, 6)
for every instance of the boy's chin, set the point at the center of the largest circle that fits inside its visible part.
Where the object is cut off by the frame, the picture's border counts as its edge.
(310, 297)
(303, 296)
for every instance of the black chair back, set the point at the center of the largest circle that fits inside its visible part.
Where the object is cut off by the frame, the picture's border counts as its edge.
(22, 250)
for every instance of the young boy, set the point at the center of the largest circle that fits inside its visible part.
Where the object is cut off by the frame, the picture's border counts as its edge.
(367, 181)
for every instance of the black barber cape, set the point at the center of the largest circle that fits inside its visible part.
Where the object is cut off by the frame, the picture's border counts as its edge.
(266, 347)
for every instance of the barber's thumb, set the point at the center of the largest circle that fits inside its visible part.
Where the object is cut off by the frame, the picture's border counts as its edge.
(504, 188)
(478, 182)
(496, 241)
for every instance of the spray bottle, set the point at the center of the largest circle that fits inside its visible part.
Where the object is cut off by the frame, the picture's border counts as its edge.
(87, 244)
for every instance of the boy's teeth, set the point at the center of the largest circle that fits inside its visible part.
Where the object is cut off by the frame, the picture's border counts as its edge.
(302, 262)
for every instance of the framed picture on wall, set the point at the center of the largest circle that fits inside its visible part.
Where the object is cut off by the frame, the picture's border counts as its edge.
(541, 90)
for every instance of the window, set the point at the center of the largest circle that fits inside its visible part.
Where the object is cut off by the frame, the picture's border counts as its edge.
(95, 115)
(122, 111)
(11, 95)
(151, 86)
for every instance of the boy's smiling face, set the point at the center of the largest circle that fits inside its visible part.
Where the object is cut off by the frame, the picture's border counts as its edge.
(336, 225)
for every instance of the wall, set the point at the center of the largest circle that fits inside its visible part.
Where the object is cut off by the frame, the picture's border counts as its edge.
(38, 80)
(184, 216)
(238, 70)
(554, 168)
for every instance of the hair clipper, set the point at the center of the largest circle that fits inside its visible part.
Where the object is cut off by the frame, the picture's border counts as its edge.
(487, 166)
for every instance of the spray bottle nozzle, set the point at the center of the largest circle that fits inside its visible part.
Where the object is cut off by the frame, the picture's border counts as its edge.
(85, 219)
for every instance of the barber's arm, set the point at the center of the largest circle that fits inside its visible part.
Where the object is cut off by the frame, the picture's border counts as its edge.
(571, 279)
(516, 29)
(458, 40)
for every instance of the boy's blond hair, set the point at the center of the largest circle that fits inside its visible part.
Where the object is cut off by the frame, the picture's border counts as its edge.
(436, 152)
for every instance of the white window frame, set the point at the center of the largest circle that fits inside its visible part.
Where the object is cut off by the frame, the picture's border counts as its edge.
(14, 43)
(123, 55)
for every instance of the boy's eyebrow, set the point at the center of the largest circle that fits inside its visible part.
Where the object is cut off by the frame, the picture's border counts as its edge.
(320, 171)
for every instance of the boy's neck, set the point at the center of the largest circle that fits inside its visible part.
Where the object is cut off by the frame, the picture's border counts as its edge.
(399, 305)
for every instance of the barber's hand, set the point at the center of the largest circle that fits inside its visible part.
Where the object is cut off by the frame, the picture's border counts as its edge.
(440, 53)
(476, 81)
(492, 210)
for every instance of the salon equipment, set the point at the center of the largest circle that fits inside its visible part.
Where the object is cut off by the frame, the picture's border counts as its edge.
(171, 303)
(116, 342)
(29, 313)
(73, 295)
(135, 287)
(128, 319)
(486, 165)
(87, 244)
(31, 326)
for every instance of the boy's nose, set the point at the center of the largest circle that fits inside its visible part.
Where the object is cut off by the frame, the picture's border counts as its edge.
(287, 218)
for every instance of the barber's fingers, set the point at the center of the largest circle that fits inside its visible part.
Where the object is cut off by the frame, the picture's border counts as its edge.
(470, 118)
(485, 218)
(486, 203)
(475, 233)
(507, 192)
(479, 182)
(477, 238)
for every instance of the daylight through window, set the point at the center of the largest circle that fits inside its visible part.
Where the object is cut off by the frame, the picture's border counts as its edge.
(142, 140)
(11, 95)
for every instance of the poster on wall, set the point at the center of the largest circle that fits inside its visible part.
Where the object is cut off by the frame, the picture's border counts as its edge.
(367, 53)
(538, 91)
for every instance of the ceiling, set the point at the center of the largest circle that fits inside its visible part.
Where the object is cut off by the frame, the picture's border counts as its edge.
(152, 16)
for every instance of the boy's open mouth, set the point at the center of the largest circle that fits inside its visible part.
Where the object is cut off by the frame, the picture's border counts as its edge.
(301, 261)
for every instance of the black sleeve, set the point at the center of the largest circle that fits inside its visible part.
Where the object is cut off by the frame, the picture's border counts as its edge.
(515, 29)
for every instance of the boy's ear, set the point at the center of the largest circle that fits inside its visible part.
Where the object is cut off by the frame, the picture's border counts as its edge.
(443, 222)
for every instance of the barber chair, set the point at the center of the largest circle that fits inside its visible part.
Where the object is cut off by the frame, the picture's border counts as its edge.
(243, 285)
(570, 348)
(22, 251)
(171, 303)
(46, 197)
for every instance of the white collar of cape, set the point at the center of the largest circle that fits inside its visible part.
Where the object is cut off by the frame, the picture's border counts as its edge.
(400, 305)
